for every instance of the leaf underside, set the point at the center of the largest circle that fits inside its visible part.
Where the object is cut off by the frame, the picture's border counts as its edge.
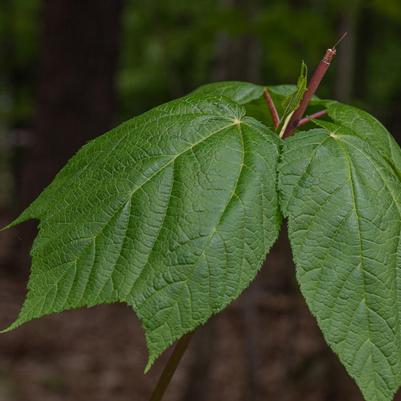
(341, 191)
(172, 213)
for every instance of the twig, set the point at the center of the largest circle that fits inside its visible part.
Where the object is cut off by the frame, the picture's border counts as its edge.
(272, 108)
(313, 116)
(170, 368)
(317, 77)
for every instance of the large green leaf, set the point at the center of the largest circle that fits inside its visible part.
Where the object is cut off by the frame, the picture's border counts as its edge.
(172, 212)
(341, 190)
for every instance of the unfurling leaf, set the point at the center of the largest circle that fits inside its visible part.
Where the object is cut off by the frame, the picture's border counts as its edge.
(172, 213)
(292, 101)
(341, 190)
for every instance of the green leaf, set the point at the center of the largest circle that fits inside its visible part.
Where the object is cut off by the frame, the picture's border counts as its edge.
(341, 191)
(283, 91)
(292, 100)
(368, 128)
(239, 92)
(246, 92)
(172, 213)
(251, 96)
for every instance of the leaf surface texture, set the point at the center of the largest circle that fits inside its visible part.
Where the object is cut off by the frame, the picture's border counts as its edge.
(172, 213)
(341, 191)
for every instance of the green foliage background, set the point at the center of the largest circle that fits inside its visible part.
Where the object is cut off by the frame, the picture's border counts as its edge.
(168, 48)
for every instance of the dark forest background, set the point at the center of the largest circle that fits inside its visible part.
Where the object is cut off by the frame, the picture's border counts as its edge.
(70, 70)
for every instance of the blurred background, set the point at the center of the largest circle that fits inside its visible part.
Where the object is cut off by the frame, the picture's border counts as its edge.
(70, 70)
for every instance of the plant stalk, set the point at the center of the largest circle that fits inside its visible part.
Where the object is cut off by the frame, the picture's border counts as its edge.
(313, 116)
(317, 77)
(272, 108)
(170, 368)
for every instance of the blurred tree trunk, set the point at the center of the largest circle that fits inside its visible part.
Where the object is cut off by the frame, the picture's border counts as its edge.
(238, 57)
(346, 57)
(76, 96)
(8, 46)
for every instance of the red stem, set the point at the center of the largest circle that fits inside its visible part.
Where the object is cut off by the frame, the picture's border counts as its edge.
(313, 85)
(272, 108)
(313, 116)
(170, 368)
